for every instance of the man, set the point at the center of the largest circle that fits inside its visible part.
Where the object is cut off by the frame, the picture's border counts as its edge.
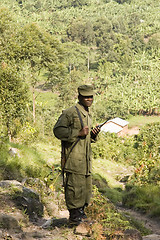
(73, 128)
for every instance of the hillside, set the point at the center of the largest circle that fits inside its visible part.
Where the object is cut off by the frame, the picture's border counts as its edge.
(109, 177)
(18, 222)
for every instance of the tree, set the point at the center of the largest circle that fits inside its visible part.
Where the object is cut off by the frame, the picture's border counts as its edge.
(81, 31)
(13, 98)
(102, 28)
(31, 52)
(123, 1)
(122, 51)
(41, 53)
(75, 56)
(13, 95)
(152, 46)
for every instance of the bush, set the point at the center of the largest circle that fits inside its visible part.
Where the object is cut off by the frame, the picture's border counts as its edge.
(114, 148)
(102, 210)
(143, 188)
(148, 155)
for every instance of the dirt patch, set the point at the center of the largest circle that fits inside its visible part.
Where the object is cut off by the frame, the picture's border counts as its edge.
(129, 131)
(153, 224)
(133, 131)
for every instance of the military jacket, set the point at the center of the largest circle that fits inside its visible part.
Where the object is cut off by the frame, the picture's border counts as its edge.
(67, 129)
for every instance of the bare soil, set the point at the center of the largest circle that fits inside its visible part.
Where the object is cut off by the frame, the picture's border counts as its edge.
(153, 224)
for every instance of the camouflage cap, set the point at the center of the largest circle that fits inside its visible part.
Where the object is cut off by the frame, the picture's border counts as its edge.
(86, 90)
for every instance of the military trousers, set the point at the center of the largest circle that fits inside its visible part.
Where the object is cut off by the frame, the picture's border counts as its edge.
(78, 190)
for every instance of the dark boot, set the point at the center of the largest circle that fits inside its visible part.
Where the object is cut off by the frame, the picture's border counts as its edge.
(75, 217)
(84, 217)
(82, 213)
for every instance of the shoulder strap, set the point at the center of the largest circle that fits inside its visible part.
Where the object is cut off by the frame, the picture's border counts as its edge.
(80, 118)
(82, 125)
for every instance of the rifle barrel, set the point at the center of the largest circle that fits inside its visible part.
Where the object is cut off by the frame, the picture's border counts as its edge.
(100, 125)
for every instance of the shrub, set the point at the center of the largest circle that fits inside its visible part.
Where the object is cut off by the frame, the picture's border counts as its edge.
(148, 155)
(115, 148)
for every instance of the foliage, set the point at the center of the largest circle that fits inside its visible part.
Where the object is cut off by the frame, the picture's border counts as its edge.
(139, 121)
(117, 53)
(147, 145)
(42, 51)
(110, 146)
(76, 56)
(142, 189)
(28, 134)
(142, 152)
(13, 98)
(58, 45)
(28, 53)
(126, 95)
(81, 31)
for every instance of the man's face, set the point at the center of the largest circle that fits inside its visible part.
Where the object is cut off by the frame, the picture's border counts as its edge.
(86, 101)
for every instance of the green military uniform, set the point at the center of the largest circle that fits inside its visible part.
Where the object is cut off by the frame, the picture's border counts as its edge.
(78, 165)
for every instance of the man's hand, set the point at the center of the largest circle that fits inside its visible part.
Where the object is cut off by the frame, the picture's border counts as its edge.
(84, 132)
(95, 132)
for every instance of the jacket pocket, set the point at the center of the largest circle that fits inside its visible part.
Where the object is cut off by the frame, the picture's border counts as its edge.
(76, 122)
(76, 162)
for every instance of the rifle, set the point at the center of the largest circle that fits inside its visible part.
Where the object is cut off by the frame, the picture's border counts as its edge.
(63, 156)
(63, 160)
(100, 125)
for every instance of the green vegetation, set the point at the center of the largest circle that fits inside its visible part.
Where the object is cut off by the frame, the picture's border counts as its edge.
(144, 198)
(142, 189)
(142, 120)
(41, 160)
(118, 53)
(136, 158)
(26, 162)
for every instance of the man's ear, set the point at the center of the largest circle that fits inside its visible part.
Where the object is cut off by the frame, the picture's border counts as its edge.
(80, 97)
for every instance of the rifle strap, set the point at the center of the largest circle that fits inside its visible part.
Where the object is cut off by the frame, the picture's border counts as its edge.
(82, 125)
(80, 118)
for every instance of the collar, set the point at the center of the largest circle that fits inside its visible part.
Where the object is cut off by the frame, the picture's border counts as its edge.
(82, 110)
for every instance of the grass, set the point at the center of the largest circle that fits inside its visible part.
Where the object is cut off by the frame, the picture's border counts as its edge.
(29, 163)
(111, 171)
(144, 198)
(34, 159)
(105, 213)
(106, 176)
(139, 225)
(46, 98)
(142, 120)
(49, 151)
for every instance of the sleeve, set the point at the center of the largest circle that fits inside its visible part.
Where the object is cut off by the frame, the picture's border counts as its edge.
(64, 130)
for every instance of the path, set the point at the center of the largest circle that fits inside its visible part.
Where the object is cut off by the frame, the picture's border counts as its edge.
(150, 223)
